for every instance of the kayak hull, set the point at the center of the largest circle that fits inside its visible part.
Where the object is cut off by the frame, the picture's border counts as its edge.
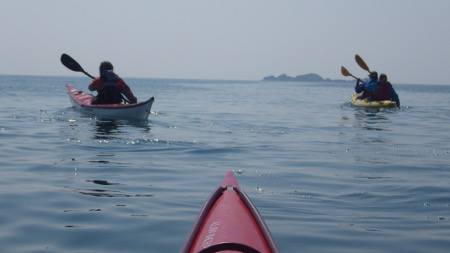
(82, 102)
(372, 104)
(229, 221)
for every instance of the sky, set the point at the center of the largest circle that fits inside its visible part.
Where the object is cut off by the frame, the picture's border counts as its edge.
(409, 40)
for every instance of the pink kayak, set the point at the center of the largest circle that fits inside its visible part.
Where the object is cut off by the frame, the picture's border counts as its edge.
(229, 222)
(82, 101)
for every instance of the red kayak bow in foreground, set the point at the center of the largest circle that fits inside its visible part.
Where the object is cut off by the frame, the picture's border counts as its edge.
(229, 222)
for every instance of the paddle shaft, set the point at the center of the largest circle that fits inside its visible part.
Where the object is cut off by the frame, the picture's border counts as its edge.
(346, 73)
(355, 77)
(86, 73)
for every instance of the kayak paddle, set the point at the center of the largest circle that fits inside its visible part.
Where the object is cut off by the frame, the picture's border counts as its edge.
(346, 73)
(73, 65)
(361, 63)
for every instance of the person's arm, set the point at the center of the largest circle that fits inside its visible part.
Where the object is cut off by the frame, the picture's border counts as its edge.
(359, 87)
(126, 91)
(94, 85)
(395, 97)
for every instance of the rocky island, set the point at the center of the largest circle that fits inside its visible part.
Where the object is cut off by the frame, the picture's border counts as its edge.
(302, 78)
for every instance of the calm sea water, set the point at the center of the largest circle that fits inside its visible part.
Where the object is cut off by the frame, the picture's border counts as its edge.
(325, 176)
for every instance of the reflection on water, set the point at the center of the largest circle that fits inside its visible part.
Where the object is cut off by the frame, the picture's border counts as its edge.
(93, 192)
(101, 182)
(373, 119)
(370, 177)
(105, 130)
(112, 129)
(369, 125)
(109, 164)
(79, 130)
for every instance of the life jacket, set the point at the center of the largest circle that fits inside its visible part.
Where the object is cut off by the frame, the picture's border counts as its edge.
(384, 91)
(368, 94)
(110, 92)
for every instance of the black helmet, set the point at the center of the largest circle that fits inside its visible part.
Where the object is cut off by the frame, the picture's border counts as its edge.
(374, 75)
(106, 65)
(107, 72)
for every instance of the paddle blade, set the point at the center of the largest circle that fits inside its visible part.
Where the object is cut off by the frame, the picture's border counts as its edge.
(361, 63)
(70, 63)
(344, 71)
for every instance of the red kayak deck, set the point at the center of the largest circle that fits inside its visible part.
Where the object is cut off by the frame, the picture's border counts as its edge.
(229, 221)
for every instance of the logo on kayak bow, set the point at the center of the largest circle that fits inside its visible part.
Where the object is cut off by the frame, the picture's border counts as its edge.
(211, 233)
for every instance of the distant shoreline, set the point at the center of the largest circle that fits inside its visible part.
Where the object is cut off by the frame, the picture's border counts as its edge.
(302, 78)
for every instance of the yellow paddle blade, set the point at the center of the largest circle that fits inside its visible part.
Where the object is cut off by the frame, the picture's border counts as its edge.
(345, 71)
(361, 63)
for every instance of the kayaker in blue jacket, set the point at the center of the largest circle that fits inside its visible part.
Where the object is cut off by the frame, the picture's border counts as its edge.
(369, 88)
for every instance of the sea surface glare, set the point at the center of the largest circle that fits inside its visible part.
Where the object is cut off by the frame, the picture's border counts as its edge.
(325, 176)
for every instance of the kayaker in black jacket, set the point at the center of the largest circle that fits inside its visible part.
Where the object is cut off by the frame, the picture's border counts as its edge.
(110, 87)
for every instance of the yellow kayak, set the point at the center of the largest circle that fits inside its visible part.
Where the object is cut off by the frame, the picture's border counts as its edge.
(372, 104)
